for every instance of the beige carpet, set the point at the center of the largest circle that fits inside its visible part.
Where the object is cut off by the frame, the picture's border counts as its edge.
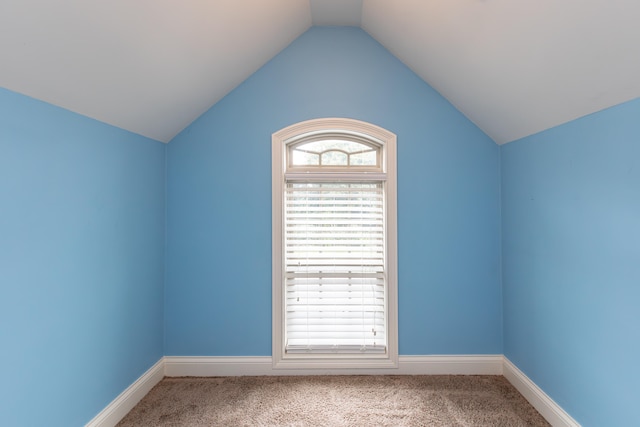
(441, 400)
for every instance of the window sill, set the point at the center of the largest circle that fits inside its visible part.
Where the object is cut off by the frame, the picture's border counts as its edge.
(335, 361)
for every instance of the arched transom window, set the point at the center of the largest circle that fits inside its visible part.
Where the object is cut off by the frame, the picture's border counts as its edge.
(334, 151)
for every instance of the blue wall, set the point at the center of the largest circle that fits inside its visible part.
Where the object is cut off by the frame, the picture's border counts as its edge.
(571, 263)
(218, 282)
(81, 262)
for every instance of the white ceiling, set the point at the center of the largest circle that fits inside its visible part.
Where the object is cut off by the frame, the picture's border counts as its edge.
(152, 66)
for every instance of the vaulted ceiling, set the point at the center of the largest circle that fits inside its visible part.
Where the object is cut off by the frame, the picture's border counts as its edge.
(152, 66)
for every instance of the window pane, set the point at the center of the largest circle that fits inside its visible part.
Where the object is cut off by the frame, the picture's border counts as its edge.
(335, 267)
(301, 158)
(334, 144)
(364, 159)
(335, 158)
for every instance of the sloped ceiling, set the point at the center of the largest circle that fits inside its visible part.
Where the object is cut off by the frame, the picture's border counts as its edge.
(516, 67)
(152, 66)
(148, 66)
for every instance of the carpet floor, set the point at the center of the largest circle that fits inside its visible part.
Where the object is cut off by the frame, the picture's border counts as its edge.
(433, 400)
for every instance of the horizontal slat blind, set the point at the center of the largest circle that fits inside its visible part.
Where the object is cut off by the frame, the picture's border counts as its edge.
(335, 267)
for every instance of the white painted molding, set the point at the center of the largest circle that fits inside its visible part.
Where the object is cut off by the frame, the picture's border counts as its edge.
(451, 365)
(550, 410)
(180, 366)
(121, 405)
(215, 366)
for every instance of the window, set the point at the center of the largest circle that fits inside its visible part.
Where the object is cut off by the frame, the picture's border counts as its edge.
(334, 246)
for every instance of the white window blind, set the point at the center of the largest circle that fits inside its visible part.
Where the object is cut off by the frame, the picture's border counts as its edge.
(334, 264)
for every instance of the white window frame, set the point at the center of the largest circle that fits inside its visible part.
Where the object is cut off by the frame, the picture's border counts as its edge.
(387, 141)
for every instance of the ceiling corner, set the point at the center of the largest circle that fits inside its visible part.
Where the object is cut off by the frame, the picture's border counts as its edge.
(336, 12)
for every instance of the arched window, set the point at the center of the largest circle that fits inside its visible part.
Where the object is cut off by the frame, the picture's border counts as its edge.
(334, 151)
(334, 245)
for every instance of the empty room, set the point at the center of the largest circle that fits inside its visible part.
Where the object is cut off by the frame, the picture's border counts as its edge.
(419, 203)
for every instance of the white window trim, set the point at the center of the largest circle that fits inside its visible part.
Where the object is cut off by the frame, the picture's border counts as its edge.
(280, 139)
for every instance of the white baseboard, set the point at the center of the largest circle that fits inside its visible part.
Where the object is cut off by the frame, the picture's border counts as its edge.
(215, 366)
(121, 405)
(185, 366)
(451, 365)
(550, 410)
